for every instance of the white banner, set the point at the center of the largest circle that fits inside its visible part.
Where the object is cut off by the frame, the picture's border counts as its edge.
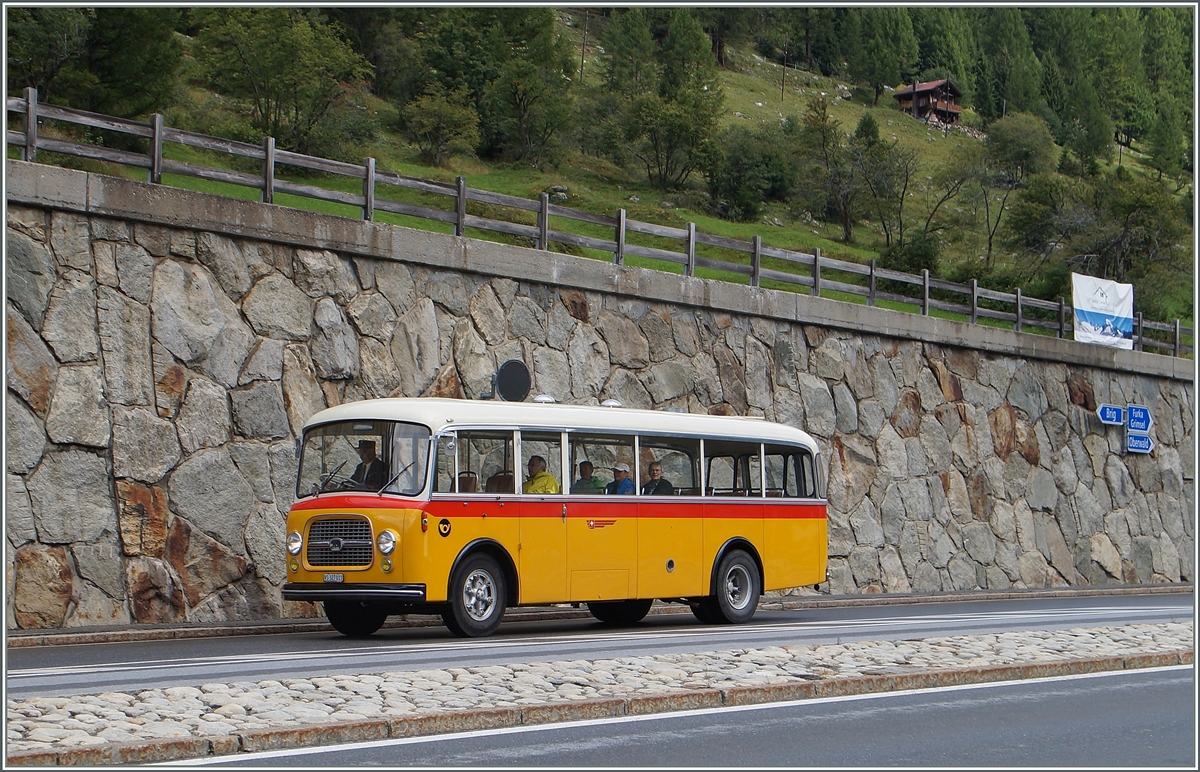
(1103, 311)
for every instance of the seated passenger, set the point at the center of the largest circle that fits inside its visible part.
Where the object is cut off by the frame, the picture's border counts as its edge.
(657, 485)
(587, 484)
(540, 481)
(621, 484)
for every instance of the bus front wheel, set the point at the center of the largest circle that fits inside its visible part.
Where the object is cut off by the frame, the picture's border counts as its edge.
(738, 589)
(620, 612)
(477, 597)
(354, 620)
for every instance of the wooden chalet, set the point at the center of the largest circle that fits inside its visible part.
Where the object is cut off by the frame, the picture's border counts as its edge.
(935, 98)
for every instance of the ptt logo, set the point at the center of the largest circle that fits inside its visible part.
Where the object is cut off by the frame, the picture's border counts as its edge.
(594, 524)
(444, 527)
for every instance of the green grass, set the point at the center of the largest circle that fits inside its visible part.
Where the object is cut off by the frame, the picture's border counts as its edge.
(751, 86)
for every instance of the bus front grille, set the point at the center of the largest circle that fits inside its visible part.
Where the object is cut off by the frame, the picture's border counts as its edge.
(339, 542)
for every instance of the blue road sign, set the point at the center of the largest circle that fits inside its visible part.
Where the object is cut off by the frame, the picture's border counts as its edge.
(1138, 443)
(1113, 415)
(1138, 419)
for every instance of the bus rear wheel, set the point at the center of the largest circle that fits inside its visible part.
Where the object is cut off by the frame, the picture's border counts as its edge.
(477, 597)
(355, 620)
(620, 612)
(737, 588)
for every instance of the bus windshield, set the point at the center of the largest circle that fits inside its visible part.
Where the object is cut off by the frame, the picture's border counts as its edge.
(376, 456)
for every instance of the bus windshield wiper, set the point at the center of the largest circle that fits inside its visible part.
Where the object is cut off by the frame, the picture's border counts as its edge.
(329, 476)
(395, 477)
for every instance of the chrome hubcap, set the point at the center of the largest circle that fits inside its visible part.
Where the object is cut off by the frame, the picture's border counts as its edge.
(479, 595)
(737, 587)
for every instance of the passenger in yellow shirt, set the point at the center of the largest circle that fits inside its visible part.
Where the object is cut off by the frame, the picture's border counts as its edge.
(540, 481)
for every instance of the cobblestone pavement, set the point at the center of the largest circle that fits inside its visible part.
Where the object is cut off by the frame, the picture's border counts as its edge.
(225, 709)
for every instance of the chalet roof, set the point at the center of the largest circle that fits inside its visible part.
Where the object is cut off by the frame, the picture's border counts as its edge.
(929, 85)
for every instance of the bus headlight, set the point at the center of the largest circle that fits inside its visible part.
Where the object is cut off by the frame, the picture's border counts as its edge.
(294, 543)
(386, 542)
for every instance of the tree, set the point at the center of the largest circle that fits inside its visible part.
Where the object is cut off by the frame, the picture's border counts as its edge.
(441, 124)
(1087, 128)
(130, 64)
(41, 41)
(670, 130)
(1018, 146)
(117, 61)
(725, 25)
(745, 169)
(887, 48)
(533, 107)
(944, 41)
(823, 145)
(291, 70)
(1166, 148)
(1016, 76)
(630, 65)
(885, 172)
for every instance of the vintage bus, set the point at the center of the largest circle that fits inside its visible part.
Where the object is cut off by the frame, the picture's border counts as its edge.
(465, 508)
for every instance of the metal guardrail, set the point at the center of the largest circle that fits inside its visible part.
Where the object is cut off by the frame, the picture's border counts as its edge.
(815, 272)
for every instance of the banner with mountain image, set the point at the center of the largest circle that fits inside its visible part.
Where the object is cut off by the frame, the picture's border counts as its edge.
(1103, 311)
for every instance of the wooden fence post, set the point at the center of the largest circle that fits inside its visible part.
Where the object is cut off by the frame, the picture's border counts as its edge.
(1178, 339)
(974, 301)
(1138, 336)
(924, 292)
(816, 275)
(1017, 326)
(369, 189)
(871, 283)
(268, 191)
(756, 260)
(619, 255)
(1062, 317)
(460, 206)
(29, 153)
(544, 222)
(689, 268)
(156, 148)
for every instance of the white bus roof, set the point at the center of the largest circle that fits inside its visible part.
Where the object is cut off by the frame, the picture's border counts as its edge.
(441, 414)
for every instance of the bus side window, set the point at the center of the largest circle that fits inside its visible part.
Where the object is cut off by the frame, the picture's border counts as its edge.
(485, 459)
(781, 476)
(807, 475)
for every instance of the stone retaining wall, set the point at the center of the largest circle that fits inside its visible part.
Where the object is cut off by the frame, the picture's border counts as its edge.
(164, 347)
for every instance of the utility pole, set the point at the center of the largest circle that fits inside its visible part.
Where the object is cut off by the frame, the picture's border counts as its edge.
(783, 79)
(583, 48)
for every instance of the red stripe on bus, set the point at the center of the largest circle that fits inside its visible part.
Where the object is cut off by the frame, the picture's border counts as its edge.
(584, 510)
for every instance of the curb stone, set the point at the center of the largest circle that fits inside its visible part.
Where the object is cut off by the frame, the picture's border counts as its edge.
(493, 718)
(16, 639)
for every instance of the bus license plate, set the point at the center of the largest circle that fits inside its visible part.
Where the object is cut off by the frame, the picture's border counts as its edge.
(334, 577)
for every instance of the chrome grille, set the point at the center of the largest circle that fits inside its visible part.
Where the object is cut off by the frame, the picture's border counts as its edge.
(343, 541)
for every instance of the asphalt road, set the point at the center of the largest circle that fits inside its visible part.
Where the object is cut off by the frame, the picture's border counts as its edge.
(1141, 718)
(94, 668)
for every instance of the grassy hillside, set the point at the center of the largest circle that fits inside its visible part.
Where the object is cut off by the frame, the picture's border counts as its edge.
(753, 95)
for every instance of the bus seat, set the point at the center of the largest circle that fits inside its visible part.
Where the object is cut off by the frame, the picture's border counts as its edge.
(687, 491)
(774, 493)
(501, 482)
(468, 482)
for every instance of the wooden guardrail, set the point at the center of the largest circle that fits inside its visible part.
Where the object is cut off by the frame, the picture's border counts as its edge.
(807, 270)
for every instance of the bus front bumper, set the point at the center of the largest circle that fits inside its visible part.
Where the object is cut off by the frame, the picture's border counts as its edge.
(319, 591)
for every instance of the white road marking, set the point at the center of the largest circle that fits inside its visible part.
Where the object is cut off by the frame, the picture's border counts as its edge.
(456, 736)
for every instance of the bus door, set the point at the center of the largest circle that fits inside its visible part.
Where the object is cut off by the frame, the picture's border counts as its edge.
(602, 521)
(670, 520)
(542, 555)
(474, 496)
(733, 480)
